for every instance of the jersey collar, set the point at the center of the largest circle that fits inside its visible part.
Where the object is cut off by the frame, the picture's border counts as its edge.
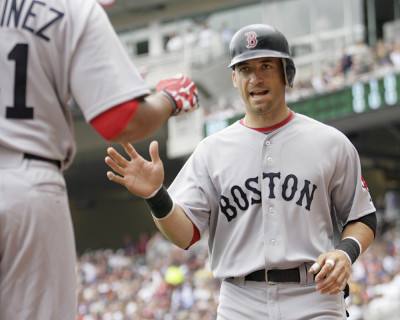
(274, 127)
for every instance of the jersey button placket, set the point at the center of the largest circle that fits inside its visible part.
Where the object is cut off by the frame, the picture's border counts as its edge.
(267, 144)
(271, 220)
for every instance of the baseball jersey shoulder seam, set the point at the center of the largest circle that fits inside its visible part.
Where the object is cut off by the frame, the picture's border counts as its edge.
(333, 132)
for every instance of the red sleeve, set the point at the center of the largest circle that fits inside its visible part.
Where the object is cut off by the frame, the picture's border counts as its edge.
(112, 122)
(195, 238)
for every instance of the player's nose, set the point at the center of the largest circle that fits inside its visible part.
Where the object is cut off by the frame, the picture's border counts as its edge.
(255, 77)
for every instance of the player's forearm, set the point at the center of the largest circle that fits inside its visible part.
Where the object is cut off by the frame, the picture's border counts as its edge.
(151, 115)
(361, 232)
(176, 227)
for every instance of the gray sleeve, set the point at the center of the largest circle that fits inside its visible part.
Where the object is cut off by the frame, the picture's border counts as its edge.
(101, 72)
(193, 190)
(349, 192)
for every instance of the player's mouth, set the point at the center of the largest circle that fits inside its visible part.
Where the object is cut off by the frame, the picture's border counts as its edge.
(258, 93)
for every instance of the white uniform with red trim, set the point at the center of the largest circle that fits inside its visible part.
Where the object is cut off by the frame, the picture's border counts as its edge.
(273, 200)
(50, 51)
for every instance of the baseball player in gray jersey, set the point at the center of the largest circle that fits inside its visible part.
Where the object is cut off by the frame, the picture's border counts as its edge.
(280, 194)
(50, 51)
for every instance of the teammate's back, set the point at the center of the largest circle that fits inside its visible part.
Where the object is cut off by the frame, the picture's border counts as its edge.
(42, 68)
(52, 51)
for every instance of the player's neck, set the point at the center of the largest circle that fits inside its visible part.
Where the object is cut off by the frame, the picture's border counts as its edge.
(266, 120)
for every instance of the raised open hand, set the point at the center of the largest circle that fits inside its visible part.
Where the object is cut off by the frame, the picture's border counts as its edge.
(140, 176)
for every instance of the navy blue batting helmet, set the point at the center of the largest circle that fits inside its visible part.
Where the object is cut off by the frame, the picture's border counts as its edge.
(262, 41)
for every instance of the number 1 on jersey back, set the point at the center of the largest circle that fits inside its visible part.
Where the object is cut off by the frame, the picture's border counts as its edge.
(19, 110)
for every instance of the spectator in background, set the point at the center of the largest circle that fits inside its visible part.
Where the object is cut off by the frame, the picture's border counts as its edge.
(174, 43)
(362, 58)
(205, 36)
(189, 38)
(320, 82)
(392, 207)
(128, 244)
(208, 43)
(346, 63)
(395, 55)
(226, 34)
(142, 243)
(381, 53)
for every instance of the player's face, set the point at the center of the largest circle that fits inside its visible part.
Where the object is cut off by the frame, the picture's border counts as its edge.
(261, 85)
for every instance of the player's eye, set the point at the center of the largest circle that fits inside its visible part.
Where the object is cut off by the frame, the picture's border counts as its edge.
(244, 69)
(266, 66)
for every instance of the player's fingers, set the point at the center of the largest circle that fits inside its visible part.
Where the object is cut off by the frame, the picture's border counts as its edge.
(113, 165)
(322, 274)
(334, 282)
(332, 288)
(130, 150)
(114, 178)
(115, 155)
(330, 262)
(326, 283)
(333, 285)
(327, 266)
(341, 282)
(315, 268)
(153, 150)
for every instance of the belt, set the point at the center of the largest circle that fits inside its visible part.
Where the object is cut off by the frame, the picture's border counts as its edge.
(275, 275)
(285, 275)
(35, 157)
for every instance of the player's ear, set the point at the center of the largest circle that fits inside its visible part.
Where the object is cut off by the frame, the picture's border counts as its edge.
(234, 78)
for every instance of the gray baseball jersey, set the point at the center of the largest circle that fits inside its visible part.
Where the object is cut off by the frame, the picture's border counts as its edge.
(51, 51)
(272, 200)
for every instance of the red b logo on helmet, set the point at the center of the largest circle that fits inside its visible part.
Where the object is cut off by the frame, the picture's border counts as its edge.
(251, 38)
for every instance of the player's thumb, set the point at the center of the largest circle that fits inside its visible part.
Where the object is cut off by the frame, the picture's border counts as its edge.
(153, 150)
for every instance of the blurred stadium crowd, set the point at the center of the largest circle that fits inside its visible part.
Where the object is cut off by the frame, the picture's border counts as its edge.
(149, 280)
(358, 62)
(156, 280)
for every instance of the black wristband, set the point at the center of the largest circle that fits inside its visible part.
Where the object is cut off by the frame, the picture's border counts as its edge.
(351, 247)
(160, 204)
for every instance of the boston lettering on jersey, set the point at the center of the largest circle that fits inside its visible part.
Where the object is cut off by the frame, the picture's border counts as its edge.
(291, 190)
(22, 14)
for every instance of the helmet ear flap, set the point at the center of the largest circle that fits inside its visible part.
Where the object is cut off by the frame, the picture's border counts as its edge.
(234, 77)
(289, 71)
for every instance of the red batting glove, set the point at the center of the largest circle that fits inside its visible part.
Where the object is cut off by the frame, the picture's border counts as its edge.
(181, 91)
